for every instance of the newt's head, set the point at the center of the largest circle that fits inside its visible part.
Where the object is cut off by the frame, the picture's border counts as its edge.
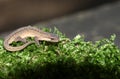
(49, 37)
(53, 37)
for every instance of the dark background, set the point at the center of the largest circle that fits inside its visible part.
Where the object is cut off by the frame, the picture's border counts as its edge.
(95, 19)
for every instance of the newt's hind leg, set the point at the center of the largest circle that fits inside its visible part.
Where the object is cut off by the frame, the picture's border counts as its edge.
(20, 39)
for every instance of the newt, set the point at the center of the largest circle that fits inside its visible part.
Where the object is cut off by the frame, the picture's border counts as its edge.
(24, 32)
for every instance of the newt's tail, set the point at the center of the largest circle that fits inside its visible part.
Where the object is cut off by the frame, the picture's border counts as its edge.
(10, 48)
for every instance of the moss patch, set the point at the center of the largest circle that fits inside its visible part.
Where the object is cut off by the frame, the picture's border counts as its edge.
(67, 59)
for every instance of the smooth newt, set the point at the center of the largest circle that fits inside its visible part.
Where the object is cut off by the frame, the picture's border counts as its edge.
(22, 33)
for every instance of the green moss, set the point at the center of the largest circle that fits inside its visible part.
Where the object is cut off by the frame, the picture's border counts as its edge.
(67, 59)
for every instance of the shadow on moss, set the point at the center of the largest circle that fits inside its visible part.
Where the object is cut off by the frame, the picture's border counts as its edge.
(68, 70)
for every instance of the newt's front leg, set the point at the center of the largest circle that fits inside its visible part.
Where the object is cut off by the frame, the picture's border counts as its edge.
(37, 41)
